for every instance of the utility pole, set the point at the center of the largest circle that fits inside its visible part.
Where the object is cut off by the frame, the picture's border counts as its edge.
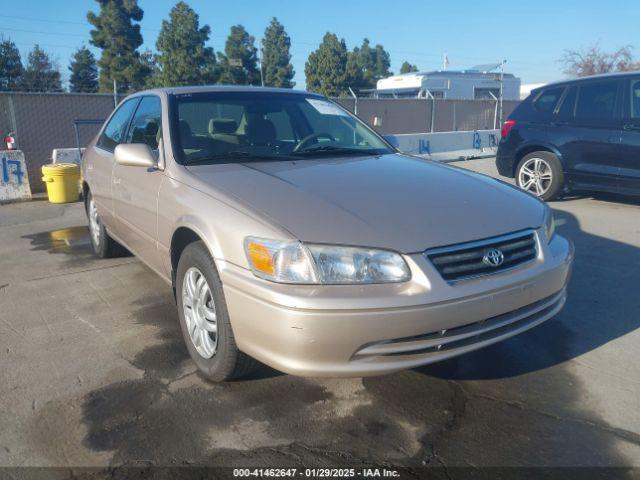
(355, 101)
(260, 56)
(115, 93)
(501, 86)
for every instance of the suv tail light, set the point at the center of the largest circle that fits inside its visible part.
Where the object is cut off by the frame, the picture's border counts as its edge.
(506, 128)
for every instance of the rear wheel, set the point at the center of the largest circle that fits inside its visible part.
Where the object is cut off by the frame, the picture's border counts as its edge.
(540, 173)
(103, 245)
(204, 319)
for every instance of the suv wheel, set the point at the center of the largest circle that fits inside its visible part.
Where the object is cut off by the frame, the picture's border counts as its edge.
(204, 319)
(540, 173)
(103, 245)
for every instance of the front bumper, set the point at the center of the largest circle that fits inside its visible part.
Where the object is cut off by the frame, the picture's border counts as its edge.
(350, 331)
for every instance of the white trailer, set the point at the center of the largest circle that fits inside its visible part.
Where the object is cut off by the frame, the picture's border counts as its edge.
(453, 85)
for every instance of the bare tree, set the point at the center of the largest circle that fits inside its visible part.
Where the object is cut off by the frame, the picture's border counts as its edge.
(594, 60)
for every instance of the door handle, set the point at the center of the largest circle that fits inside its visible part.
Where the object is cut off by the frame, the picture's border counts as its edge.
(630, 126)
(559, 123)
(116, 181)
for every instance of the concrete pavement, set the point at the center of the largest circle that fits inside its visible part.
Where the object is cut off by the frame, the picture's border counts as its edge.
(94, 372)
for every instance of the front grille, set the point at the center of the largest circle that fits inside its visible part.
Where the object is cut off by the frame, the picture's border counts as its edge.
(439, 342)
(458, 262)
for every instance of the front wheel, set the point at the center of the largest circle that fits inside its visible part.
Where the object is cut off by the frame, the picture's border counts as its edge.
(540, 173)
(204, 319)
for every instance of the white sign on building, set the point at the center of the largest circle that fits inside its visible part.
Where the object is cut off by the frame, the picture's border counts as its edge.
(14, 181)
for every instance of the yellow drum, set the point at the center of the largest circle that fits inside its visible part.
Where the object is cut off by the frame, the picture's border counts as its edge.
(62, 180)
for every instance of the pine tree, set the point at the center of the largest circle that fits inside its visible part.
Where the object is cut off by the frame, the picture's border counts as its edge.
(84, 72)
(183, 58)
(40, 74)
(119, 38)
(276, 58)
(326, 68)
(10, 65)
(408, 68)
(239, 62)
(373, 63)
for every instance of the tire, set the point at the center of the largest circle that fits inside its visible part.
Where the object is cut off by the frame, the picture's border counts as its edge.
(200, 307)
(103, 245)
(540, 173)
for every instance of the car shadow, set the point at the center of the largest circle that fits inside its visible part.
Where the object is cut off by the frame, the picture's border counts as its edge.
(603, 304)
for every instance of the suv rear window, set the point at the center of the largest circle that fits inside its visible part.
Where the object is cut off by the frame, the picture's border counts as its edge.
(597, 101)
(547, 100)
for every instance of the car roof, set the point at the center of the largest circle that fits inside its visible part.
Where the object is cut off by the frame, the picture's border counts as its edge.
(221, 88)
(586, 79)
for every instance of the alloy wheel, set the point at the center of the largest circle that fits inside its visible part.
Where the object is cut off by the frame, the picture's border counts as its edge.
(535, 176)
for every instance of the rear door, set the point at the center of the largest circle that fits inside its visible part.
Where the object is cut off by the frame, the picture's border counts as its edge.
(135, 189)
(591, 147)
(629, 180)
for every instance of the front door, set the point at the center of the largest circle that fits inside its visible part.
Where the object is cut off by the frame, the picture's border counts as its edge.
(135, 189)
(99, 171)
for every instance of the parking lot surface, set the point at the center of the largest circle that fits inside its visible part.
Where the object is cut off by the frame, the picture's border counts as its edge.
(94, 371)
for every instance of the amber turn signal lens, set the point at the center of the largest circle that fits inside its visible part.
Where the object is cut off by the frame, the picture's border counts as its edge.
(261, 258)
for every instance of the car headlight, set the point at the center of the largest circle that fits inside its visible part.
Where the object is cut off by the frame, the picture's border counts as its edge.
(549, 224)
(294, 262)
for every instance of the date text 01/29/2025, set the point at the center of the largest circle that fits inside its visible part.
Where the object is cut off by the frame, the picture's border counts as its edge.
(315, 472)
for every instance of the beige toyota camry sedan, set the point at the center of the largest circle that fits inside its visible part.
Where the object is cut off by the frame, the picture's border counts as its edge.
(294, 235)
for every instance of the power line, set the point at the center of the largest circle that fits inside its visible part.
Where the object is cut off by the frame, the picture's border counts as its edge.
(414, 56)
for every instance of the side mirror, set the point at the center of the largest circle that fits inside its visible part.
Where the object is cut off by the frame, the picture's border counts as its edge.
(135, 155)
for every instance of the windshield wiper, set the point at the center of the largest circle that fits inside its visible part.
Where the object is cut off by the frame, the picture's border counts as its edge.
(234, 154)
(335, 149)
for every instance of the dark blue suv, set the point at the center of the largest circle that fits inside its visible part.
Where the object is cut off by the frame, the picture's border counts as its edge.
(581, 134)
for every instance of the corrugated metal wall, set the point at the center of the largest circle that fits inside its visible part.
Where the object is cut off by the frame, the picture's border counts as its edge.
(42, 122)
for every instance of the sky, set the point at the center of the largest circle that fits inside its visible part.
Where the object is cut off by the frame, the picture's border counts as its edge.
(530, 36)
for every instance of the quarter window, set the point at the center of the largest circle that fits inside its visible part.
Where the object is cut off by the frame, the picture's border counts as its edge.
(146, 124)
(635, 99)
(547, 100)
(597, 101)
(113, 134)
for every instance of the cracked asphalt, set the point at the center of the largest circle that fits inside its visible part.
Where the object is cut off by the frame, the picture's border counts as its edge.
(94, 373)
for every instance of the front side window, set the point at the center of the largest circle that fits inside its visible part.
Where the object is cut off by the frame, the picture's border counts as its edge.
(228, 126)
(115, 130)
(146, 124)
(597, 101)
(547, 100)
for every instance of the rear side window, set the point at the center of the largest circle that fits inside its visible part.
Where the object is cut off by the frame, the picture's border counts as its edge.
(547, 100)
(568, 104)
(113, 134)
(146, 124)
(597, 101)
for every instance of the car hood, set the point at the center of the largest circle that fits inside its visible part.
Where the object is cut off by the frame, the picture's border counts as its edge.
(391, 201)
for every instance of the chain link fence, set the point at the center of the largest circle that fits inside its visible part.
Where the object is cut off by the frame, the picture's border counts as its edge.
(416, 115)
(44, 121)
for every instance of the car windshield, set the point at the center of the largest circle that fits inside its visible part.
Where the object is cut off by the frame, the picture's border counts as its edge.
(223, 127)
